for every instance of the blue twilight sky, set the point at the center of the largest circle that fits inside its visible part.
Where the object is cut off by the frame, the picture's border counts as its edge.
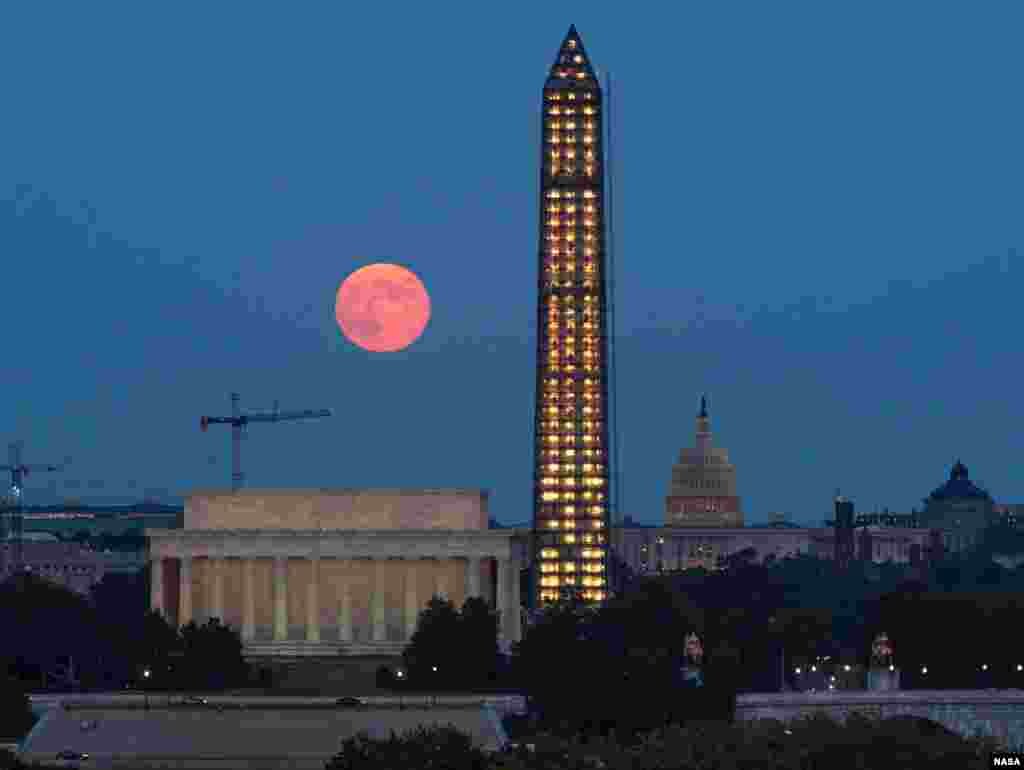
(817, 206)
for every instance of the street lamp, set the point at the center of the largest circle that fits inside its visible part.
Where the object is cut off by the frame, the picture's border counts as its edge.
(145, 676)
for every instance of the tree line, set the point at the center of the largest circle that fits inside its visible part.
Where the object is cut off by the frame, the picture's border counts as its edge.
(55, 638)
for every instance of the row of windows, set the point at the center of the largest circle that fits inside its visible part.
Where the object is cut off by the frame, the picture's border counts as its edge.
(572, 580)
(590, 384)
(552, 496)
(553, 234)
(562, 137)
(705, 484)
(567, 327)
(565, 303)
(573, 468)
(573, 440)
(568, 196)
(554, 124)
(571, 481)
(572, 528)
(570, 96)
(588, 321)
(550, 595)
(590, 399)
(571, 110)
(568, 500)
(569, 206)
(566, 332)
(586, 426)
(571, 567)
(589, 367)
(571, 269)
(556, 169)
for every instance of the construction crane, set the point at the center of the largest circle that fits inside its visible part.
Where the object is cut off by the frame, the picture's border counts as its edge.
(15, 514)
(239, 421)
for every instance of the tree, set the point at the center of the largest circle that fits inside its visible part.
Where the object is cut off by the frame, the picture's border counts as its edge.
(16, 717)
(477, 639)
(43, 622)
(153, 645)
(431, 658)
(211, 657)
(422, 749)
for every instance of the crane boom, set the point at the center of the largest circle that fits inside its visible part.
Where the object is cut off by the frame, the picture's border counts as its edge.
(238, 421)
(306, 414)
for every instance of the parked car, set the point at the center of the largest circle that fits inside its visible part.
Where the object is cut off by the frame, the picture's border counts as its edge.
(69, 758)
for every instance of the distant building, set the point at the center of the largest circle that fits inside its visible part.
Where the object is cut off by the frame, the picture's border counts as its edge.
(959, 509)
(702, 490)
(1010, 515)
(650, 549)
(844, 528)
(69, 519)
(66, 564)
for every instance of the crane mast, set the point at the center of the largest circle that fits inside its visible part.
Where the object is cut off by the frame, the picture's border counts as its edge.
(238, 423)
(14, 515)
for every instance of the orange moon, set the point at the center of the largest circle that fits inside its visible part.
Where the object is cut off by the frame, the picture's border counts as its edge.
(382, 308)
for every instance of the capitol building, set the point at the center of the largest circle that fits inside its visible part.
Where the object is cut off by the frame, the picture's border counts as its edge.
(702, 490)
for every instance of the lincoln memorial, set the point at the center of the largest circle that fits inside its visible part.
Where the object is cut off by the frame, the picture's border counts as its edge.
(327, 572)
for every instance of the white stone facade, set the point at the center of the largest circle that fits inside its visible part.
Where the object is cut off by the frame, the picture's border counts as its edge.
(325, 591)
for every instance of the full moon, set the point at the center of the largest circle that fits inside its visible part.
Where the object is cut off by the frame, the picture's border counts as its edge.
(382, 308)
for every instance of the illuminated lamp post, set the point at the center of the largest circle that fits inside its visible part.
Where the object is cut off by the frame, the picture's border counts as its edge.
(882, 673)
(145, 684)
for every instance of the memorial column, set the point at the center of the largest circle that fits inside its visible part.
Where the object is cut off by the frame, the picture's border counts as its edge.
(411, 603)
(156, 585)
(313, 601)
(378, 618)
(248, 600)
(440, 579)
(280, 599)
(345, 611)
(185, 591)
(473, 577)
(217, 610)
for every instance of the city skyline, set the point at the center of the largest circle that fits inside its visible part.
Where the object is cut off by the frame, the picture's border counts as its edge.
(827, 251)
